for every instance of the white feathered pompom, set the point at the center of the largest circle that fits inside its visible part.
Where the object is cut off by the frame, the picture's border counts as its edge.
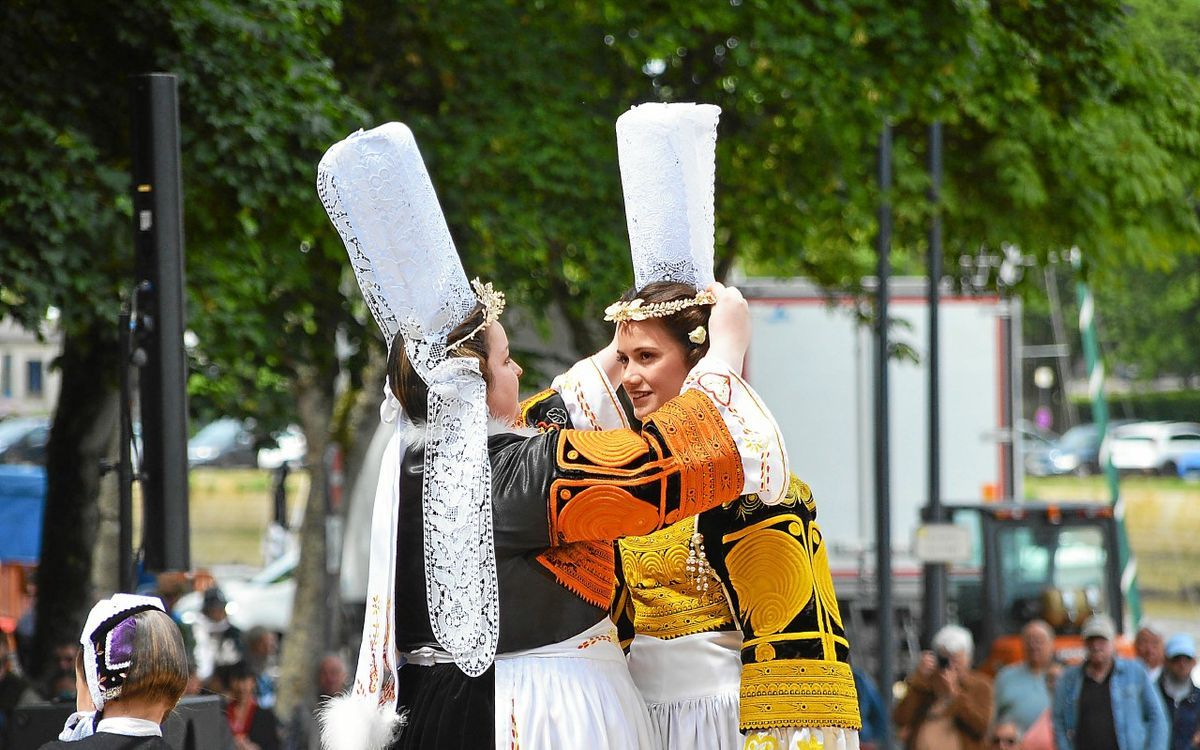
(356, 722)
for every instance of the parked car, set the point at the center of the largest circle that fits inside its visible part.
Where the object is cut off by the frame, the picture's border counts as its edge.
(1076, 452)
(1154, 447)
(290, 447)
(263, 599)
(23, 440)
(1189, 465)
(224, 443)
(1035, 445)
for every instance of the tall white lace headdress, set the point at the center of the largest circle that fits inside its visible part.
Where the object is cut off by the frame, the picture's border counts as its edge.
(668, 157)
(377, 192)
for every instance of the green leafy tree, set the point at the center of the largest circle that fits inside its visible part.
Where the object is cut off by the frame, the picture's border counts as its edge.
(258, 105)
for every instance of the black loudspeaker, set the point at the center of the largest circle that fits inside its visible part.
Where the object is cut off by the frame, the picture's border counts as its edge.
(159, 322)
(197, 723)
(30, 727)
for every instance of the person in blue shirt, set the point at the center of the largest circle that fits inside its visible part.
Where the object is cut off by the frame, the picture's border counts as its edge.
(1107, 703)
(1020, 689)
(870, 707)
(1180, 695)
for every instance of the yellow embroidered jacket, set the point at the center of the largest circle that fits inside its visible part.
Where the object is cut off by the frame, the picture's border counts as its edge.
(762, 569)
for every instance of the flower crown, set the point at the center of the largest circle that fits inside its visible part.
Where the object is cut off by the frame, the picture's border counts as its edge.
(493, 306)
(637, 309)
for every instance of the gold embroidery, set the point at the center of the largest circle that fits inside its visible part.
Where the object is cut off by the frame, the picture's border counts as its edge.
(798, 693)
(772, 575)
(583, 568)
(824, 579)
(764, 652)
(761, 742)
(667, 602)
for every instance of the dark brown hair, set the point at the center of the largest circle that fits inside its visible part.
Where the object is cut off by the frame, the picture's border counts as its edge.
(678, 324)
(159, 672)
(410, 388)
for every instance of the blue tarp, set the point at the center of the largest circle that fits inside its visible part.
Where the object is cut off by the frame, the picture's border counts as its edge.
(22, 500)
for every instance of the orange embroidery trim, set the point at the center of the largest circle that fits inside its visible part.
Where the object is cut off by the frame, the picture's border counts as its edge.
(710, 466)
(597, 452)
(611, 449)
(605, 512)
(583, 568)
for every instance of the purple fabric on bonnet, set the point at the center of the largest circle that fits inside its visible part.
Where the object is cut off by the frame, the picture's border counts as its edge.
(120, 643)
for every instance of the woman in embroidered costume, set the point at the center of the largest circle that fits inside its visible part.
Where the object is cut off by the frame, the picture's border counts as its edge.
(482, 575)
(738, 635)
(131, 672)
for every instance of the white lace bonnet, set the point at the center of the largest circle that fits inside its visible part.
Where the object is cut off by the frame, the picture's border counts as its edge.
(107, 641)
(377, 192)
(667, 154)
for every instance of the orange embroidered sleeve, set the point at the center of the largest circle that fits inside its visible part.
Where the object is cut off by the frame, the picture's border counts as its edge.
(621, 483)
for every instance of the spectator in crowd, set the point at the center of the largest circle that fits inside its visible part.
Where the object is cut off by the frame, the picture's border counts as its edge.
(1021, 694)
(254, 727)
(331, 675)
(1005, 735)
(14, 689)
(62, 669)
(870, 708)
(1040, 735)
(1107, 703)
(131, 676)
(1180, 696)
(947, 705)
(332, 678)
(218, 642)
(1148, 646)
(261, 648)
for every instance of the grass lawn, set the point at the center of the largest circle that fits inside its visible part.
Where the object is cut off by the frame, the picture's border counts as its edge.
(230, 510)
(1162, 517)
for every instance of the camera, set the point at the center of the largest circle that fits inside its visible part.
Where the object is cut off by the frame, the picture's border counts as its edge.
(943, 661)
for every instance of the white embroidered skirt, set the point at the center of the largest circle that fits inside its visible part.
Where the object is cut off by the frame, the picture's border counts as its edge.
(572, 694)
(691, 686)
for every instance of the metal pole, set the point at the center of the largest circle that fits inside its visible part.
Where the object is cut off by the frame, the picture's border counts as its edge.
(883, 512)
(1095, 370)
(125, 575)
(935, 573)
(1063, 360)
(1008, 443)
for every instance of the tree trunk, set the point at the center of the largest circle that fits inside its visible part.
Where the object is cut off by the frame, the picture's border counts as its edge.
(306, 638)
(363, 416)
(81, 435)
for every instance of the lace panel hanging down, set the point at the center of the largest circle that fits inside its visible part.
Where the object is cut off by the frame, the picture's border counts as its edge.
(378, 194)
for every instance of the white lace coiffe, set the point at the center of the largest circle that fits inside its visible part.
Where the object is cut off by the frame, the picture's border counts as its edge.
(668, 167)
(377, 192)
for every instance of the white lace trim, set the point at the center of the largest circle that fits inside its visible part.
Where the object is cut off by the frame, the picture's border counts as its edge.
(668, 166)
(378, 194)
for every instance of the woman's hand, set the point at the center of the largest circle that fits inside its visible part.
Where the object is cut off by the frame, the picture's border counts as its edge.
(729, 326)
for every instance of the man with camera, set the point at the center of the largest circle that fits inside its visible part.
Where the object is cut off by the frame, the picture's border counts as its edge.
(947, 705)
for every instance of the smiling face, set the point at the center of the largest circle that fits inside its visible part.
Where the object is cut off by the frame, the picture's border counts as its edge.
(655, 364)
(504, 376)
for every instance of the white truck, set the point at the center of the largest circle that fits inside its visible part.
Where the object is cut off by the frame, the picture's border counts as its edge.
(812, 358)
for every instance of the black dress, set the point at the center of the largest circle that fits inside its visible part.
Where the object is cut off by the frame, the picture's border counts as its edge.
(109, 741)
